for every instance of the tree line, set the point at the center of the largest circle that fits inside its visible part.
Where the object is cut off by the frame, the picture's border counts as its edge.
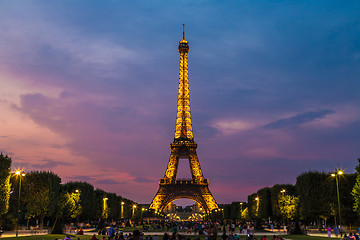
(317, 198)
(43, 199)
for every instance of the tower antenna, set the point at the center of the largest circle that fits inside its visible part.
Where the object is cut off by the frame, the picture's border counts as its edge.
(183, 31)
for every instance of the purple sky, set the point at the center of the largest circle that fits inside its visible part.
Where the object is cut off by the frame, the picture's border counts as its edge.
(89, 90)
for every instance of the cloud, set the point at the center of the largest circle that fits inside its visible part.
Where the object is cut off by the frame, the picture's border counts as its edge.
(49, 164)
(80, 178)
(57, 146)
(231, 126)
(108, 182)
(296, 121)
(52, 37)
(143, 180)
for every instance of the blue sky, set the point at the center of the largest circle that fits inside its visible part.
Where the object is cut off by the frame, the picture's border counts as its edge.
(90, 90)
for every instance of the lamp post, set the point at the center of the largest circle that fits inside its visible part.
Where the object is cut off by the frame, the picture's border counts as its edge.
(142, 212)
(19, 174)
(77, 203)
(284, 201)
(105, 213)
(133, 211)
(241, 209)
(122, 209)
(257, 206)
(335, 175)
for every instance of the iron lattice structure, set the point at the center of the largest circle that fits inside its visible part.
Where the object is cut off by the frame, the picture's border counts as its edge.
(183, 147)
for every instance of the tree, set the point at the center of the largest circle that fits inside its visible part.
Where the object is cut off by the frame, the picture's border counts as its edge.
(41, 194)
(5, 173)
(72, 204)
(234, 211)
(101, 205)
(275, 190)
(264, 202)
(67, 207)
(318, 196)
(87, 199)
(245, 214)
(113, 204)
(253, 206)
(288, 205)
(315, 195)
(346, 185)
(356, 190)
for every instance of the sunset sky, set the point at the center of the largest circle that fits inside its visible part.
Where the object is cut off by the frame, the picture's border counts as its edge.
(89, 90)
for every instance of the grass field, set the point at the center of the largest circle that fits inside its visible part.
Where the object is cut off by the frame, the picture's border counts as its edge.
(191, 237)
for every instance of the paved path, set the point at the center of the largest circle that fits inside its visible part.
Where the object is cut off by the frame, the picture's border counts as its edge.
(24, 233)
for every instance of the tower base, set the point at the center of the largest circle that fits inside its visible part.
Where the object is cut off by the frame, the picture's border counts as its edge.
(183, 188)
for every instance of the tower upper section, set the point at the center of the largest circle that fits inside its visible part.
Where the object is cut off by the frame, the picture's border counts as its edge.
(183, 129)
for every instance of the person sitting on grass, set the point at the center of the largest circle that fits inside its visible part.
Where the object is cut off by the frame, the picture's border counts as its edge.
(94, 237)
(136, 235)
(356, 236)
(166, 236)
(121, 235)
(67, 237)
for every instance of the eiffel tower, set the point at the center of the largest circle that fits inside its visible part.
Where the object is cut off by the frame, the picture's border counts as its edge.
(184, 147)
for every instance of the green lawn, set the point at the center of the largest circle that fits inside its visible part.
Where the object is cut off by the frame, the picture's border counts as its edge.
(130, 229)
(51, 237)
(305, 237)
(192, 237)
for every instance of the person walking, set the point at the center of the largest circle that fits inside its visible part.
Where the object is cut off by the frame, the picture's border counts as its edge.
(329, 231)
(110, 232)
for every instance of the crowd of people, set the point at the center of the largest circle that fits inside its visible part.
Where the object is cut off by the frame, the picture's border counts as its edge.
(207, 229)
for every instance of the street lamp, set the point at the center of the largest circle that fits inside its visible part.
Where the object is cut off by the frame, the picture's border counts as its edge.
(76, 197)
(133, 210)
(19, 174)
(122, 209)
(284, 201)
(257, 206)
(105, 208)
(142, 212)
(241, 209)
(335, 175)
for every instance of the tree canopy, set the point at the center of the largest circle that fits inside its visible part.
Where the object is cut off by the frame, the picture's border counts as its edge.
(5, 173)
(41, 194)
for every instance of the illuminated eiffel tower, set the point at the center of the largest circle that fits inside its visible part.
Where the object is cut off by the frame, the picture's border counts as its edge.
(197, 187)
